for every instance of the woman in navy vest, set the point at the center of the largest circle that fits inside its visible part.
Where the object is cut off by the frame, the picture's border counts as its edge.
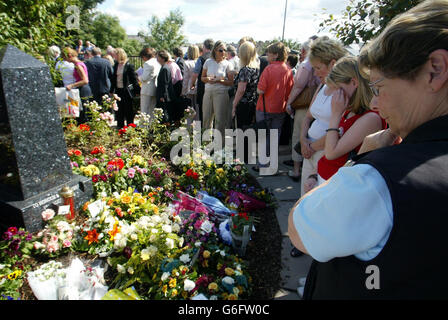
(377, 228)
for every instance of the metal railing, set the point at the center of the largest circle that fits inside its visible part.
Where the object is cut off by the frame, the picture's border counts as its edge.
(136, 61)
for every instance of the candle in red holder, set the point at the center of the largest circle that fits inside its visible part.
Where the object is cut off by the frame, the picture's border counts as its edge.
(67, 196)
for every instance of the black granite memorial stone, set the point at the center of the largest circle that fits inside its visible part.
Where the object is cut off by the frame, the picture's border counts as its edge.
(34, 160)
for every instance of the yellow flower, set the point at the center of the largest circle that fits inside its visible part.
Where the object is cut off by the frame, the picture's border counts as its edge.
(138, 160)
(229, 271)
(225, 295)
(206, 254)
(172, 283)
(164, 289)
(205, 263)
(213, 286)
(125, 199)
(218, 266)
(240, 288)
(174, 293)
(184, 294)
(208, 163)
(220, 171)
(232, 297)
(14, 275)
(114, 231)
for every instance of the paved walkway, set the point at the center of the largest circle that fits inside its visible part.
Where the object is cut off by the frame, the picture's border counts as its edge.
(287, 192)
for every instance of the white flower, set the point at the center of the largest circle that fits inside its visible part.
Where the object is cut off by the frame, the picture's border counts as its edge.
(176, 228)
(236, 291)
(156, 219)
(121, 268)
(165, 276)
(152, 238)
(181, 242)
(167, 228)
(170, 243)
(189, 285)
(154, 230)
(228, 280)
(130, 270)
(2, 266)
(198, 243)
(214, 297)
(185, 258)
(207, 226)
(134, 237)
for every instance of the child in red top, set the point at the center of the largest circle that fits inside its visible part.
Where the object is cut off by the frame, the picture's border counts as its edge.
(351, 120)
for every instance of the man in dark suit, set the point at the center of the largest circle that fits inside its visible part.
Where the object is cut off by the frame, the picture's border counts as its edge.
(178, 58)
(100, 75)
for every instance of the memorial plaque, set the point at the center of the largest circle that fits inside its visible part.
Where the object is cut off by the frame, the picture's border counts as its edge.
(34, 164)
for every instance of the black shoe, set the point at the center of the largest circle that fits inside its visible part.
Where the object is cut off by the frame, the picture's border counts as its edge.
(289, 163)
(296, 253)
(256, 168)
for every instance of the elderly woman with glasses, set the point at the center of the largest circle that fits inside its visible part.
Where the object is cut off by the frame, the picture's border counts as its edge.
(377, 228)
(217, 74)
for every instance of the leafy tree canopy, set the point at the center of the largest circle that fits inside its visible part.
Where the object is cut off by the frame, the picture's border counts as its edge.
(364, 19)
(165, 34)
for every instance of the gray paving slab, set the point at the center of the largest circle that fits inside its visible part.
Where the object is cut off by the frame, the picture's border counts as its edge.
(282, 212)
(292, 268)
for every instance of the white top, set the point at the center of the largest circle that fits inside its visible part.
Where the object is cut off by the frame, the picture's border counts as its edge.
(321, 112)
(151, 69)
(218, 70)
(66, 69)
(351, 215)
(120, 76)
(188, 73)
(235, 61)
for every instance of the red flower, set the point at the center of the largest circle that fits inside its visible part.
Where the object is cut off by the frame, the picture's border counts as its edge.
(12, 230)
(119, 212)
(84, 127)
(190, 173)
(117, 162)
(132, 125)
(95, 178)
(99, 149)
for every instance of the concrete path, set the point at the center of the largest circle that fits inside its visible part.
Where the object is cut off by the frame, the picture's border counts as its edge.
(287, 192)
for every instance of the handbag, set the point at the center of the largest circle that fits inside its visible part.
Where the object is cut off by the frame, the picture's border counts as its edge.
(262, 124)
(133, 90)
(303, 100)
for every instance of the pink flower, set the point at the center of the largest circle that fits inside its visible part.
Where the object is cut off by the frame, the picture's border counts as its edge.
(48, 214)
(54, 238)
(66, 244)
(52, 246)
(198, 224)
(131, 173)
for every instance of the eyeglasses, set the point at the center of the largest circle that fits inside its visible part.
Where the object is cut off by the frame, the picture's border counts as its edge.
(222, 50)
(375, 90)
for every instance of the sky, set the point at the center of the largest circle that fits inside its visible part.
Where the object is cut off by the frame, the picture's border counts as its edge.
(229, 20)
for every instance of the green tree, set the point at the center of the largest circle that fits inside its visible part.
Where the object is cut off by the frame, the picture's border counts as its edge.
(106, 30)
(290, 43)
(33, 25)
(364, 19)
(165, 34)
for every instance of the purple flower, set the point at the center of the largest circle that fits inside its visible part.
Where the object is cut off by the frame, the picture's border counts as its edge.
(118, 153)
(7, 235)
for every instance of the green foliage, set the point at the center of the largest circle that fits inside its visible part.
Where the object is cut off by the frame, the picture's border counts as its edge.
(364, 19)
(106, 30)
(165, 34)
(290, 43)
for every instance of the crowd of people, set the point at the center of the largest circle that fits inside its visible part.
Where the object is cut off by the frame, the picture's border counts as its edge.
(342, 107)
